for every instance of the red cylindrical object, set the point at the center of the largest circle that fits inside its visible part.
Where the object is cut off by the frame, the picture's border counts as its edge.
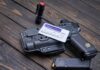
(39, 12)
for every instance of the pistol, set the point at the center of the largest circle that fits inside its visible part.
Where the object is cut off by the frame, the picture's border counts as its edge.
(76, 43)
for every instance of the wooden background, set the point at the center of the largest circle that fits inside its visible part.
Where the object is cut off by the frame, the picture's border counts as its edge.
(18, 15)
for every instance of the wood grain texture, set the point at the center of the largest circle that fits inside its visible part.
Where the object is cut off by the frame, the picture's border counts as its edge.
(84, 8)
(93, 3)
(12, 36)
(86, 21)
(25, 19)
(75, 14)
(95, 64)
(11, 33)
(14, 60)
(55, 15)
(17, 18)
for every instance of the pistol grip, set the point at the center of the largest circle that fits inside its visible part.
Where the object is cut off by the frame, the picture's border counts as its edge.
(82, 46)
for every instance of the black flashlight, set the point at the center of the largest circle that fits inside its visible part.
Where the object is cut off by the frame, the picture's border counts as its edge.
(39, 12)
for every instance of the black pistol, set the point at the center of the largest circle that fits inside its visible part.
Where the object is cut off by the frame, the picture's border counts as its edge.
(76, 43)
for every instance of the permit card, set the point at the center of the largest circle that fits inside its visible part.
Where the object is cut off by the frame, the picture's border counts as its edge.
(54, 32)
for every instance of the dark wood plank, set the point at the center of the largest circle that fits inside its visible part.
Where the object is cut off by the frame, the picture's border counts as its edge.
(9, 13)
(55, 16)
(85, 8)
(75, 14)
(29, 4)
(44, 62)
(93, 3)
(2, 2)
(10, 59)
(19, 14)
(79, 17)
(50, 13)
(12, 36)
(95, 64)
(97, 0)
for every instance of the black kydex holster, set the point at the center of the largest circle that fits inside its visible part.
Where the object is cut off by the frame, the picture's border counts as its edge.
(76, 43)
(34, 42)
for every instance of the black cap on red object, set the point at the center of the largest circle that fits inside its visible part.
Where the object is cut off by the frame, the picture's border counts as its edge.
(39, 12)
